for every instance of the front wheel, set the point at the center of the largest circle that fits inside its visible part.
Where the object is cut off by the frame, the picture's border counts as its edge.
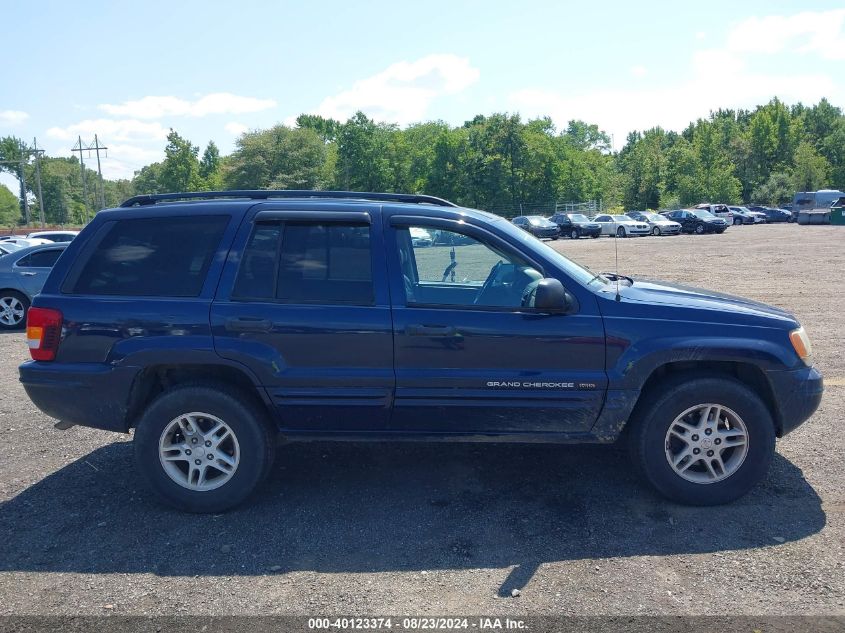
(655, 231)
(699, 230)
(620, 232)
(737, 222)
(574, 234)
(13, 309)
(703, 441)
(203, 448)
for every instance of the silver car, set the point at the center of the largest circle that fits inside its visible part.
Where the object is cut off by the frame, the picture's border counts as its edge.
(659, 224)
(22, 275)
(621, 225)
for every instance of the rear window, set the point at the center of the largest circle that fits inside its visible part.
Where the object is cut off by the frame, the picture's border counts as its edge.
(153, 257)
(40, 259)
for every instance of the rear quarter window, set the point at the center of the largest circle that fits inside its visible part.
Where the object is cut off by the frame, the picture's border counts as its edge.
(161, 257)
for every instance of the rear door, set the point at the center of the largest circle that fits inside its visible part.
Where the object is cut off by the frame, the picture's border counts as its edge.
(33, 269)
(306, 308)
(471, 355)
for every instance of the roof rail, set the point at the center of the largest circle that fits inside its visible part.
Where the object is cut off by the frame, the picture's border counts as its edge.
(266, 194)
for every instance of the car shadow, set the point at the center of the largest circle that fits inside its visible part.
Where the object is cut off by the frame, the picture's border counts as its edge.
(349, 507)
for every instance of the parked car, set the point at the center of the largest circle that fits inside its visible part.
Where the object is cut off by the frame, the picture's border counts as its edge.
(7, 247)
(421, 237)
(538, 226)
(744, 215)
(621, 225)
(23, 242)
(719, 210)
(778, 215)
(215, 337)
(659, 224)
(54, 236)
(576, 225)
(22, 274)
(697, 221)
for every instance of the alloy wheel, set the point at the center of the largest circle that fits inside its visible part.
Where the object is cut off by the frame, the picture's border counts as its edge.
(199, 451)
(11, 311)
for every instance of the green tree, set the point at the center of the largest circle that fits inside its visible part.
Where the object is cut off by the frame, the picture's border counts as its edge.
(777, 189)
(209, 168)
(10, 212)
(811, 170)
(180, 170)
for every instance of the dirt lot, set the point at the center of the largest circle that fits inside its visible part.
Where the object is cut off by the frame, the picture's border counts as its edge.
(452, 529)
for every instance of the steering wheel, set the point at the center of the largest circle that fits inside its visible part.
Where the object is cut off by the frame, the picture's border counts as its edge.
(491, 277)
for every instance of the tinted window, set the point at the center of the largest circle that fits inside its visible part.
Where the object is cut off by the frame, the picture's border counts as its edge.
(40, 259)
(165, 257)
(257, 274)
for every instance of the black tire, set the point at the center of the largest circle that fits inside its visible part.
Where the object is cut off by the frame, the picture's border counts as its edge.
(699, 230)
(596, 235)
(656, 231)
(247, 421)
(737, 222)
(8, 295)
(654, 416)
(620, 232)
(555, 238)
(574, 234)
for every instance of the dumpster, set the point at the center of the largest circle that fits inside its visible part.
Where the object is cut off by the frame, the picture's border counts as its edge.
(836, 216)
(814, 216)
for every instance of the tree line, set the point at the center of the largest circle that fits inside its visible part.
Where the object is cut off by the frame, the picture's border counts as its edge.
(497, 162)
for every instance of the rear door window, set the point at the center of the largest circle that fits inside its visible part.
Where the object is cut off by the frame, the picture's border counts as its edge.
(162, 257)
(40, 259)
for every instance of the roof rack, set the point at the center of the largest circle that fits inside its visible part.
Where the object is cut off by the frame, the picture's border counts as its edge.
(263, 194)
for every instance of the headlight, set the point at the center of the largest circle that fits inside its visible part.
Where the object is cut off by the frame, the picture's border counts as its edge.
(801, 343)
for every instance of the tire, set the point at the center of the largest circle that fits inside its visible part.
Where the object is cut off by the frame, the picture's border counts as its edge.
(656, 231)
(251, 446)
(737, 222)
(14, 307)
(699, 230)
(554, 239)
(574, 234)
(596, 236)
(620, 232)
(650, 440)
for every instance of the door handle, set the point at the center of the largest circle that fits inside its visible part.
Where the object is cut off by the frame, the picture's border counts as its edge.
(248, 325)
(28, 274)
(430, 330)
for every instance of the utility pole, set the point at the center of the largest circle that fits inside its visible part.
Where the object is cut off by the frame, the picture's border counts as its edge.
(38, 153)
(79, 147)
(97, 148)
(24, 157)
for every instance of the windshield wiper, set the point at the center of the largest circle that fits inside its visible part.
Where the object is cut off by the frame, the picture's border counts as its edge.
(617, 277)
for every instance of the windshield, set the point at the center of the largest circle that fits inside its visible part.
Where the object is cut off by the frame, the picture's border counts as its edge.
(578, 217)
(537, 220)
(701, 213)
(654, 217)
(575, 270)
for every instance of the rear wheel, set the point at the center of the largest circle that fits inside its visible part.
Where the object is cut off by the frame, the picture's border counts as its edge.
(574, 234)
(656, 231)
(203, 448)
(620, 232)
(13, 309)
(703, 441)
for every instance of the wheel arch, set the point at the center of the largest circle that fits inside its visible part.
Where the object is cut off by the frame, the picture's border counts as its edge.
(156, 379)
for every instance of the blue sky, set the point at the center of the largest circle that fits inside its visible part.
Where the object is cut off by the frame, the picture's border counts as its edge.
(128, 71)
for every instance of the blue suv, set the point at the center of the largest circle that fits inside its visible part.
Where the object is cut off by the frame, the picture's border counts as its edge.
(215, 324)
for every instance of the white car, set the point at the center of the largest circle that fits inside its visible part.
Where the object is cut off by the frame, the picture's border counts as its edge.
(744, 215)
(27, 241)
(621, 225)
(54, 236)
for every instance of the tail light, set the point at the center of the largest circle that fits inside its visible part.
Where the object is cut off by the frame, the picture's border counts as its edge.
(43, 331)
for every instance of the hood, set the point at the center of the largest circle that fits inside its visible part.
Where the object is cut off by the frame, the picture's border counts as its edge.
(665, 295)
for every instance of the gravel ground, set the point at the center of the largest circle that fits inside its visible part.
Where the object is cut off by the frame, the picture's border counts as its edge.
(451, 529)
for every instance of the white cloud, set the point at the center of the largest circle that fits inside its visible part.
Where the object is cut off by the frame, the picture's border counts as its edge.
(153, 107)
(112, 129)
(724, 75)
(639, 71)
(403, 92)
(13, 117)
(819, 32)
(235, 129)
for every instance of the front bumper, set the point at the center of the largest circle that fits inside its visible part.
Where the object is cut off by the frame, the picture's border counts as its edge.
(797, 395)
(87, 394)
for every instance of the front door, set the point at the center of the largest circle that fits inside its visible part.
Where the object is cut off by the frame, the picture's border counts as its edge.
(307, 310)
(471, 353)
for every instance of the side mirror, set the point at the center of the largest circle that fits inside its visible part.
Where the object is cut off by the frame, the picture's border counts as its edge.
(551, 296)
